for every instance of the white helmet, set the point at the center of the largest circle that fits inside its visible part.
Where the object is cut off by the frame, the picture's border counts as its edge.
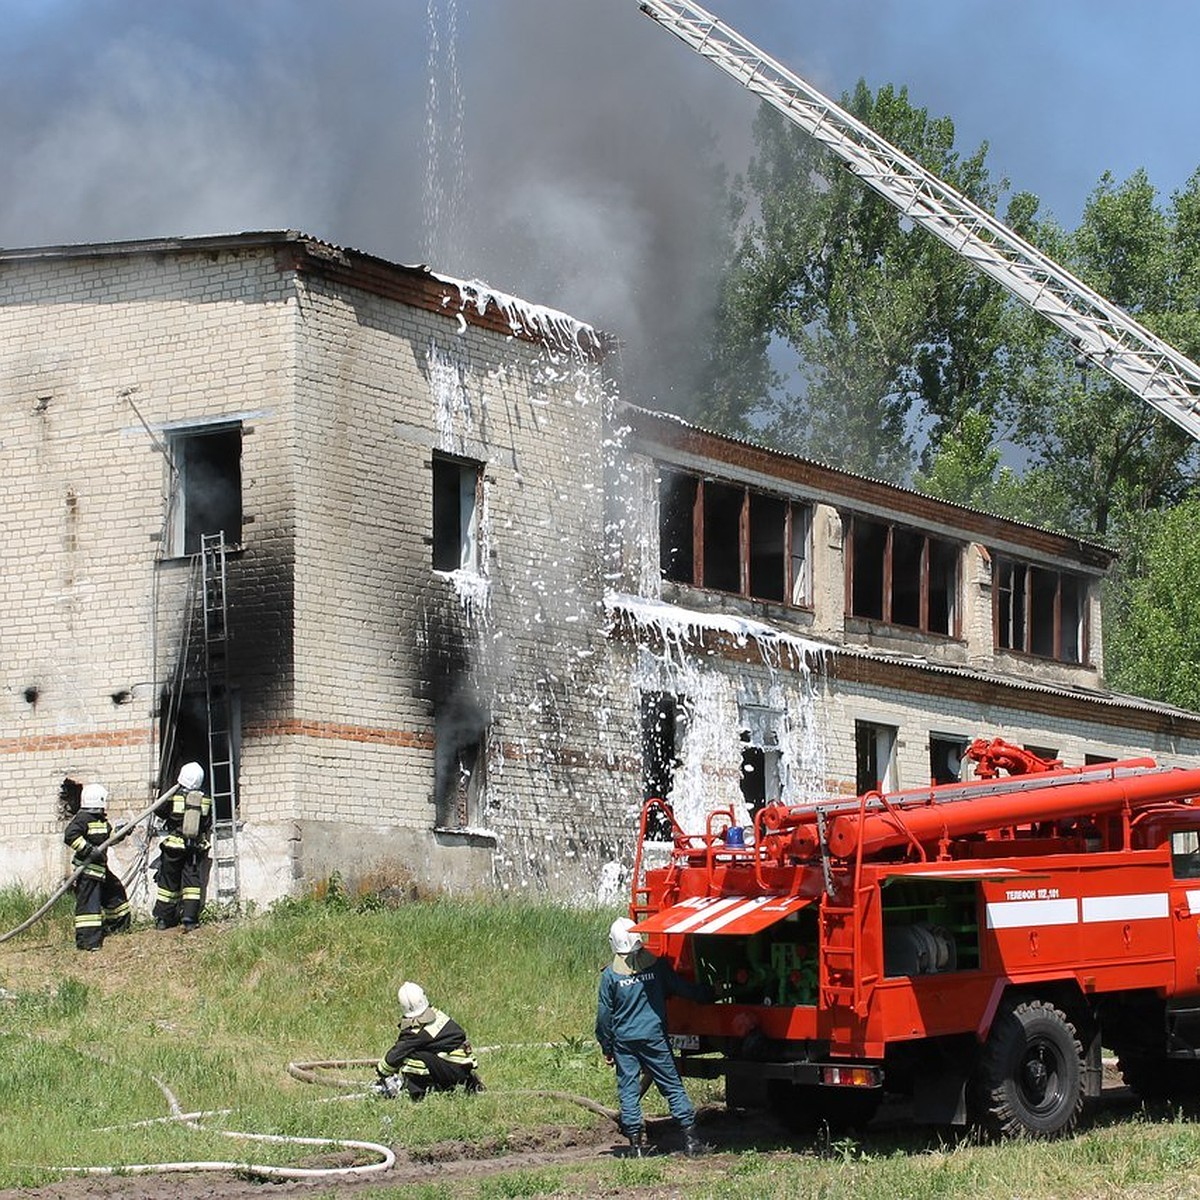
(621, 937)
(94, 796)
(191, 776)
(413, 1001)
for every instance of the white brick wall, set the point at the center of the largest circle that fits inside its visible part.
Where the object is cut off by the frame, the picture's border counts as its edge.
(343, 636)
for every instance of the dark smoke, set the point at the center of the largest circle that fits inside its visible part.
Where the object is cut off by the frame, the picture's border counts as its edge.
(587, 164)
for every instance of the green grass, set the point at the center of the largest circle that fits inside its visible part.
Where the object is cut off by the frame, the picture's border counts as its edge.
(218, 1016)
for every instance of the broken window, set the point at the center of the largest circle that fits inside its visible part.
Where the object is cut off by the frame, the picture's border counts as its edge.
(460, 759)
(729, 538)
(456, 484)
(662, 728)
(761, 756)
(1040, 611)
(206, 496)
(902, 577)
(946, 754)
(875, 757)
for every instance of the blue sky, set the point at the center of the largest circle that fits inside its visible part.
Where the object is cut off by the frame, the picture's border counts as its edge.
(586, 137)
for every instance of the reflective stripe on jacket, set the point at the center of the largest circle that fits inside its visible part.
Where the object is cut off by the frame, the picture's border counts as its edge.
(172, 811)
(442, 1036)
(88, 828)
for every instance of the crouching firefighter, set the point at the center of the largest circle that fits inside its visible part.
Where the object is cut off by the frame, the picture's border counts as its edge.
(183, 854)
(101, 906)
(432, 1052)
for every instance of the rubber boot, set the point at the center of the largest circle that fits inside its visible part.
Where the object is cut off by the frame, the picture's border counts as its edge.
(692, 1145)
(637, 1143)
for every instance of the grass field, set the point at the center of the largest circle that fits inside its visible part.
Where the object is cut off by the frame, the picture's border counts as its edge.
(89, 1041)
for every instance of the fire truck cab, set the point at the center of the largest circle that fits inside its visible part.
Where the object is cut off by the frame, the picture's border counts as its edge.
(971, 947)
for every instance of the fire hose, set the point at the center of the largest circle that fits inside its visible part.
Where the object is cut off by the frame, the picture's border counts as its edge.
(387, 1157)
(306, 1072)
(69, 882)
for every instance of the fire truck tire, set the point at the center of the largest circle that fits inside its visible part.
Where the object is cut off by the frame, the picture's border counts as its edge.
(1030, 1077)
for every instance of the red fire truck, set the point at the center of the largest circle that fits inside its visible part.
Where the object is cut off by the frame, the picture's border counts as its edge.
(972, 946)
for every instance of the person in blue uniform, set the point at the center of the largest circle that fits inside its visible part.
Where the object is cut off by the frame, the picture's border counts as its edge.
(631, 1027)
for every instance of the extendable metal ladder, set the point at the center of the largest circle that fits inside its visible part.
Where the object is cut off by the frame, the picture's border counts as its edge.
(223, 884)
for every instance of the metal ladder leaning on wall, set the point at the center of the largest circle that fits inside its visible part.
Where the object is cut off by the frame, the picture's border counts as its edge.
(224, 882)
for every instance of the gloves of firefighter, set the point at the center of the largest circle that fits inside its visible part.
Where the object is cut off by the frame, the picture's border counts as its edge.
(95, 854)
(387, 1086)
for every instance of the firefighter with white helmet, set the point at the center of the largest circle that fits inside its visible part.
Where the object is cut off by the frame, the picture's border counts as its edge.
(432, 1052)
(631, 1027)
(101, 905)
(183, 855)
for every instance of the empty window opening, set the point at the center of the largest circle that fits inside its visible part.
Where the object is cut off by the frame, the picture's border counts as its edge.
(207, 490)
(902, 577)
(1040, 611)
(946, 754)
(729, 538)
(676, 520)
(761, 781)
(869, 541)
(722, 536)
(456, 485)
(460, 758)
(768, 547)
(908, 576)
(875, 757)
(662, 721)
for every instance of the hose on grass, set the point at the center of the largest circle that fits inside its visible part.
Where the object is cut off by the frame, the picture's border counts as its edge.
(306, 1072)
(192, 1120)
(69, 882)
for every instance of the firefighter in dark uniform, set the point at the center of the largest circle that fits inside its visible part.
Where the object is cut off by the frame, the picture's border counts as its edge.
(432, 1052)
(183, 854)
(631, 1027)
(101, 906)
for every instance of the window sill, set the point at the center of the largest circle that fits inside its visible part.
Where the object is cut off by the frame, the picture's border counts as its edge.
(466, 836)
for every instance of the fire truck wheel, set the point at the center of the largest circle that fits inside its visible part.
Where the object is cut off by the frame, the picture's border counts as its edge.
(1030, 1077)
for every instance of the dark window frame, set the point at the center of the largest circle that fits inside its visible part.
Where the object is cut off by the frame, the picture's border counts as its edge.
(886, 595)
(455, 543)
(700, 516)
(1029, 615)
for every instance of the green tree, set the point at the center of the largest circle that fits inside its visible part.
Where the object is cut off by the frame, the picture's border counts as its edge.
(1107, 454)
(1152, 649)
(845, 332)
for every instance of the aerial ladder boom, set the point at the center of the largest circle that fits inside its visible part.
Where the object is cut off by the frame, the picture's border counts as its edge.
(1101, 332)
